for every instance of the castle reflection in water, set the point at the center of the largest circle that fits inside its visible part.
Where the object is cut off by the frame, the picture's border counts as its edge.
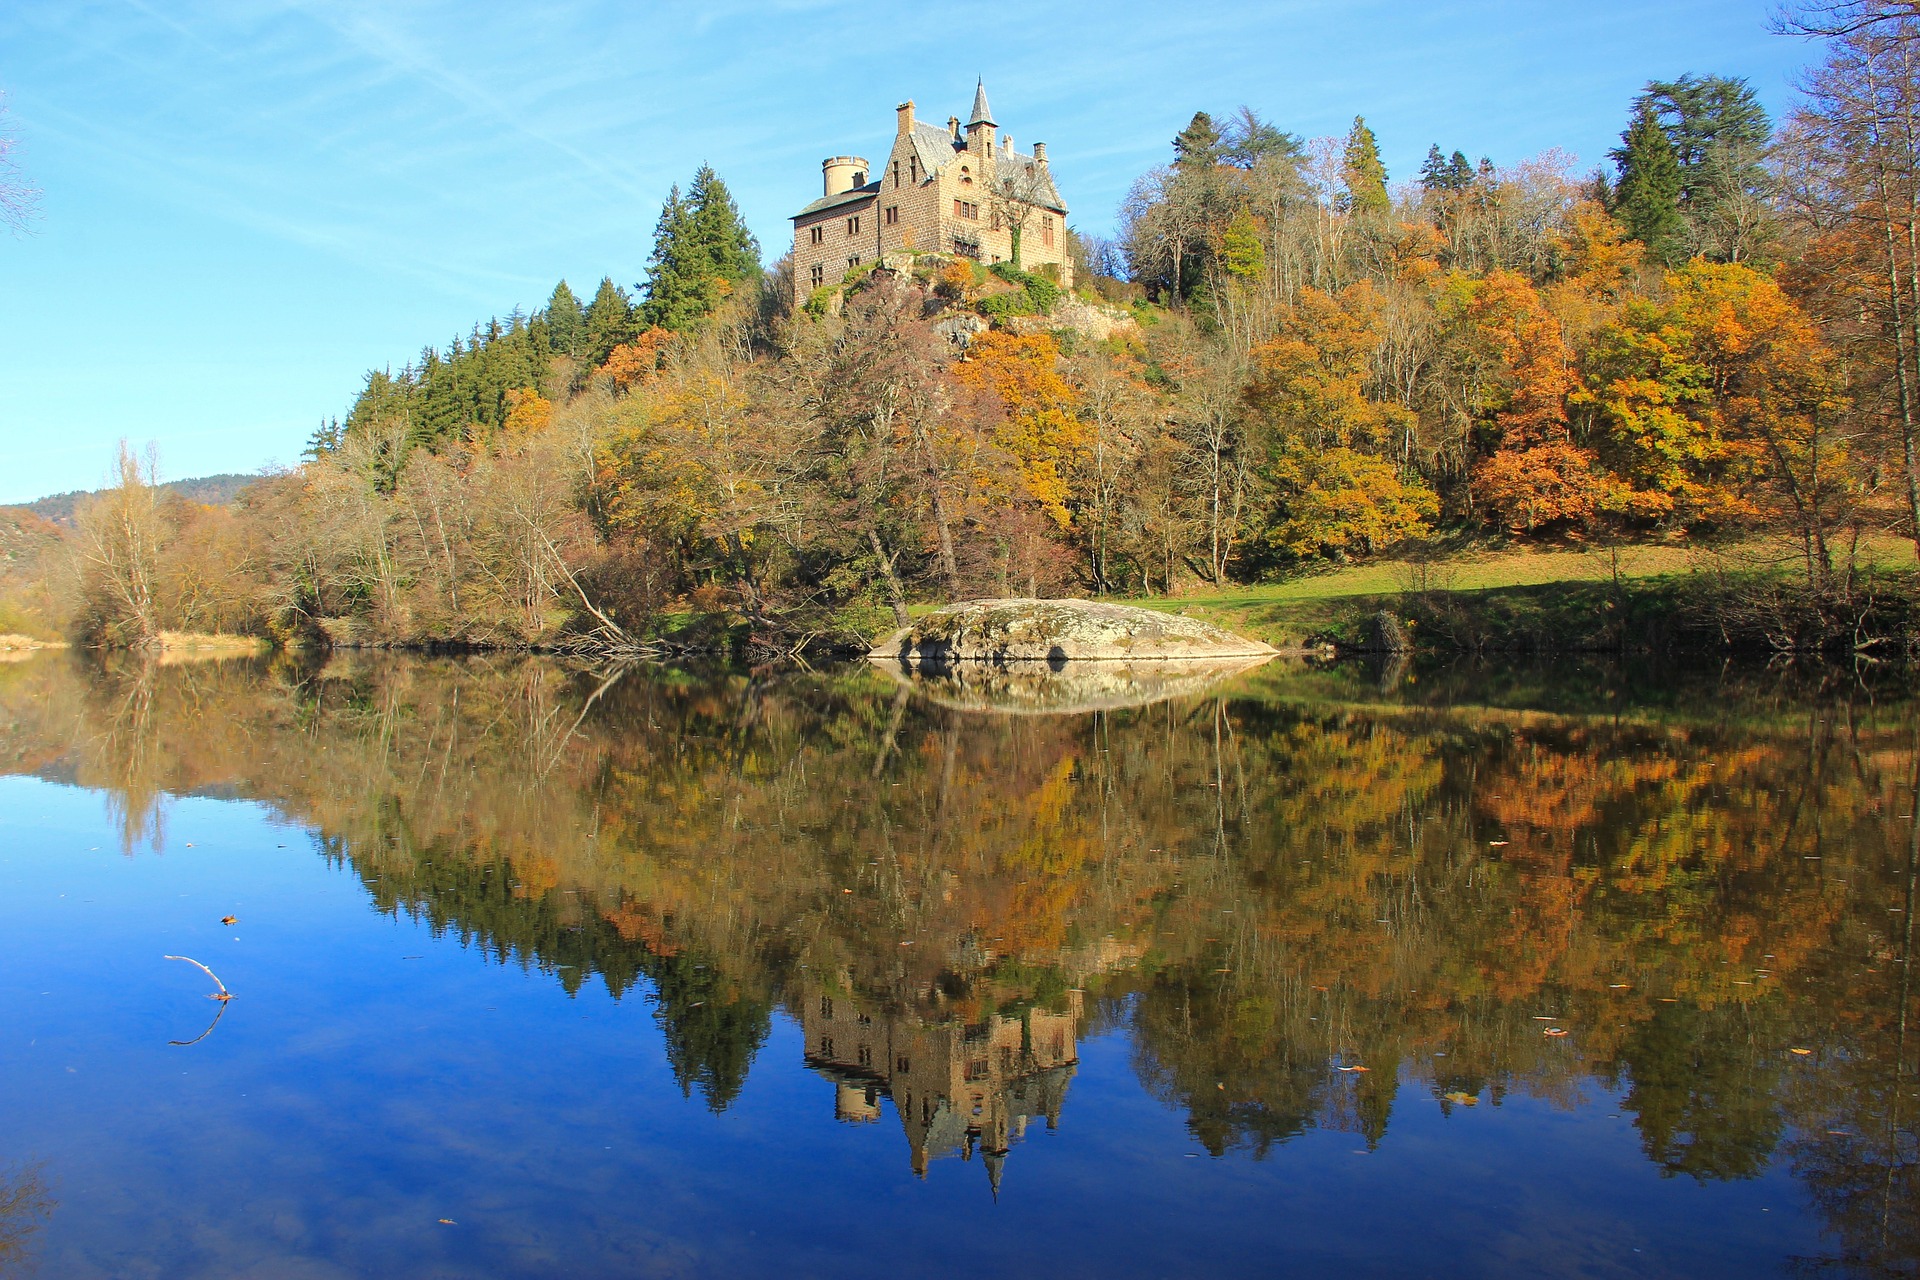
(957, 1086)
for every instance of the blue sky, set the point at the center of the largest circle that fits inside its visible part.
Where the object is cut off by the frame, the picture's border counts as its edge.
(249, 203)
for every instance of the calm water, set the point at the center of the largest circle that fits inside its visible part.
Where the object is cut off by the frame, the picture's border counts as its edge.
(550, 971)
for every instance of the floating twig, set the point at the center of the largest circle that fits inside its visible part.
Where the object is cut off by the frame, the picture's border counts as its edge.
(224, 995)
(218, 1014)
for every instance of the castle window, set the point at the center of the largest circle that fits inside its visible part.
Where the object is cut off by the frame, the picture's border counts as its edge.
(826, 1006)
(817, 235)
(996, 219)
(819, 275)
(826, 1046)
(913, 169)
(866, 1055)
(893, 214)
(1046, 232)
(902, 1064)
(966, 178)
(896, 174)
(853, 225)
(853, 262)
(967, 248)
(966, 209)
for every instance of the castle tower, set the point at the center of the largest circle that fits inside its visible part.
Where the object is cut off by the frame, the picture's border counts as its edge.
(980, 125)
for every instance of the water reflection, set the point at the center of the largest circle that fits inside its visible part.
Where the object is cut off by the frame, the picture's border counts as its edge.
(26, 1205)
(1267, 887)
(959, 1085)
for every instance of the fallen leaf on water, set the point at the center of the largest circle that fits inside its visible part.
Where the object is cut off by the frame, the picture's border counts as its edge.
(1616, 986)
(229, 919)
(1353, 1068)
(1802, 1052)
(1555, 1031)
(448, 1222)
(1460, 1099)
(1497, 844)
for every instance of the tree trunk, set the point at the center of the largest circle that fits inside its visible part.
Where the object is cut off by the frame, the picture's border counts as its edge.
(896, 597)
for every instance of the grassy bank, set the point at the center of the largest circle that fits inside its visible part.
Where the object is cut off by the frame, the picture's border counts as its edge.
(1649, 597)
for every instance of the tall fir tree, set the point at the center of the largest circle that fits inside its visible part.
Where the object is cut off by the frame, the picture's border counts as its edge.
(1365, 175)
(1198, 146)
(610, 320)
(702, 251)
(1646, 199)
(566, 323)
(1433, 172)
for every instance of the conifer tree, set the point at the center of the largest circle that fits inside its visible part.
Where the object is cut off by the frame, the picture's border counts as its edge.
(1198, 146)
(1459, 172)
(609, 321)
(1366, 176)
(1647, 197)
(701, 252)
(1434, 172)
(566, 323)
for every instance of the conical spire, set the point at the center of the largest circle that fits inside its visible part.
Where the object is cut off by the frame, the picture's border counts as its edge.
(995, 1162)
(982, 113)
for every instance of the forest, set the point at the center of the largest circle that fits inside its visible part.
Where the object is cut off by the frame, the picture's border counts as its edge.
(1284, 358)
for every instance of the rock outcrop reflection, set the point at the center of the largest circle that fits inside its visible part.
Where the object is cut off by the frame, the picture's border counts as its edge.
(1262, 894)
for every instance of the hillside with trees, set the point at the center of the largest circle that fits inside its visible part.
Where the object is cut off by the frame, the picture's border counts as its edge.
(1284, 359)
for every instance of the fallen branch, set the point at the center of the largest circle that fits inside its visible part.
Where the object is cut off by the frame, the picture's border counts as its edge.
(224, 993)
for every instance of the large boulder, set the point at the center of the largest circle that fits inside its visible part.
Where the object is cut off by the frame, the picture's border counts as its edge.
(1042, 688)
(1060, 631)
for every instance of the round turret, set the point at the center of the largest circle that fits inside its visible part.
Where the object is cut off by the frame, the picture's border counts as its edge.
(843, 174)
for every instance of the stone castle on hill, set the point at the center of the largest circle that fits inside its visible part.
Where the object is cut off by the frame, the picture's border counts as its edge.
(941, 190)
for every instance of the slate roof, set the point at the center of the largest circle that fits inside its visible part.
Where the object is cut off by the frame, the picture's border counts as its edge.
(981, 115)
(858, 195)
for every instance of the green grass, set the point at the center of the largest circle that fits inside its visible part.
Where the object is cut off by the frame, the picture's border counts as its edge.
(1538, 593)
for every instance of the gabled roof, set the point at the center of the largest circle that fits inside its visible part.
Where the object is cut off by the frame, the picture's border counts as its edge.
(935, 146)
(859, 195)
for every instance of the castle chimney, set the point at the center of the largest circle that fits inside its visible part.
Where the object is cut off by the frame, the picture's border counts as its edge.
(843, 173)
(953, 127)
(1040, 153)
(904, 115)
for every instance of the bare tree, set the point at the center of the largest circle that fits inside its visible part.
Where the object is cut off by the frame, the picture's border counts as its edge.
(1835, 18)
(121, 532)
(19, 201)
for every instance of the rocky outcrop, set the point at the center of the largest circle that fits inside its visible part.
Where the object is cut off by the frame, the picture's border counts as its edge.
(1059, 631)
(1042, 688)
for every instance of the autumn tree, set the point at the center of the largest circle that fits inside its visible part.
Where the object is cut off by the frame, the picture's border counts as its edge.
(1334, 458)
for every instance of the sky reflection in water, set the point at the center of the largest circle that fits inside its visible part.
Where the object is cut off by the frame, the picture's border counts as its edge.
(678, 975)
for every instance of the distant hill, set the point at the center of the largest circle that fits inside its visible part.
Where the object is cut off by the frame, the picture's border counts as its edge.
(212, 491)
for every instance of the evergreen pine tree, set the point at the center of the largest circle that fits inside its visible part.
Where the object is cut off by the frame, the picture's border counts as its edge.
(1459, 172)
(1198, 146)
(718, 230)
(701, 251)
(1647, 197)
(566, 323)
(1720, 134)
(1366, 176)
(609, 320)
(1434, 173)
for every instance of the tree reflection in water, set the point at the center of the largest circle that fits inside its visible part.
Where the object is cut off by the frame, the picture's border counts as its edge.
(25, 1206)
(1259, 888)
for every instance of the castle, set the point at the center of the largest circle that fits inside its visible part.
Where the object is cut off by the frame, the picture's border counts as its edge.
(941, 191)
(958, 1089)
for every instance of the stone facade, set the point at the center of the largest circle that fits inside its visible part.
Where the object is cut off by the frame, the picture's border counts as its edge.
(957, 1088)
(942, 189)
